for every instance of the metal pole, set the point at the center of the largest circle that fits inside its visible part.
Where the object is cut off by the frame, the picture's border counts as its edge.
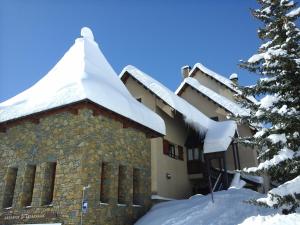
(207, 161)
(82, 200)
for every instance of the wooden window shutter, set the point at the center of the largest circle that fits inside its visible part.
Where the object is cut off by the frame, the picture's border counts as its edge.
(180, 152)
(165, 147)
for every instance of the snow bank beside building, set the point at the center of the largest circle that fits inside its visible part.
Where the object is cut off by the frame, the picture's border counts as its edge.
(229, 208)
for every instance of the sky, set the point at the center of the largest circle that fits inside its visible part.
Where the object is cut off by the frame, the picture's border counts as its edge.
(157, 36)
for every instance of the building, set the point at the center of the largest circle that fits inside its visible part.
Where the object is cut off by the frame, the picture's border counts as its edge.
(76, 146)
(214, 95)
(178, 159)
(84, 145)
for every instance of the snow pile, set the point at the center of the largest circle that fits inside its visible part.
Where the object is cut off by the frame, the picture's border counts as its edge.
(229, 208)
(221, 79)
(82, 73)
(291, 187)
(236, 182)
(277, 219)
(219, 99)
(218, 134)
(283, 154)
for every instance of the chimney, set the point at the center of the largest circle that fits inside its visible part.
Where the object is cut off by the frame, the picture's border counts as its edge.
(234, 78)
(185, 70)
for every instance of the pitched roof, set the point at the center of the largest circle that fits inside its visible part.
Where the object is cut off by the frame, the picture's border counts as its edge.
(215, 140)
(219, 78)
(82, 73)
(225, 103)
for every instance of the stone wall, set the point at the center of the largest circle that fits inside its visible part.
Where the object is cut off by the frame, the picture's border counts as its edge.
(79, 144)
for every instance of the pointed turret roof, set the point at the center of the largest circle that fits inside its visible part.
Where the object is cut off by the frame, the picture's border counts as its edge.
(83, 73)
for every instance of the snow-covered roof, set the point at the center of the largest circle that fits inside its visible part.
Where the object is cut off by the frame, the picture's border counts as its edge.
(218, 134)
(228, 83)
(83, 73)
(230, 106)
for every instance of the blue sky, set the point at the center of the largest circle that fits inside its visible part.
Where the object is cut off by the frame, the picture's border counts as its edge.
(156, 36)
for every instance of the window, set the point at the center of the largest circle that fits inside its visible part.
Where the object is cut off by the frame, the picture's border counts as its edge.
(137, 198)
(180, 152)
(122, 192)
(194, 154)
(165, 147)
(50, 172)
(104, 185)
(28, 185)
(172, 150)
(10, 183)
(190, 154)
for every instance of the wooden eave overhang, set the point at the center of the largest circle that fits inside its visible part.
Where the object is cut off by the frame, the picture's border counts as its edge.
(74, 108)
(125, 77)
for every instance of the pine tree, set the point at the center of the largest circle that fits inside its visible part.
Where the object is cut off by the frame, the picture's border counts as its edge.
(277, 115)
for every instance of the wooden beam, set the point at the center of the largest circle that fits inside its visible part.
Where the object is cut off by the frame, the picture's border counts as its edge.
(34, 119)
(3, 129)
(225, 170)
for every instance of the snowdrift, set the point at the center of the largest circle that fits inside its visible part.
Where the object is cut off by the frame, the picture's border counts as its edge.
(229, 208)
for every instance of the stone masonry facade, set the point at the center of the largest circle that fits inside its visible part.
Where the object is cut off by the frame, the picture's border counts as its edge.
(77, 147)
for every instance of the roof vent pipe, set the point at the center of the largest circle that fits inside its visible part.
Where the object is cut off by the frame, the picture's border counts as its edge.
(185, 70)
(234, 78)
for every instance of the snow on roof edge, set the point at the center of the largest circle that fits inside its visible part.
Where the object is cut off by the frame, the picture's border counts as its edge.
(213, 141)
(228, 83)
(80, 74)
(214, 96)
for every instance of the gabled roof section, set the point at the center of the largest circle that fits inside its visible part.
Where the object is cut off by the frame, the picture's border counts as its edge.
(223, 102)
(218, 135)
(83, 73)
(219, 78)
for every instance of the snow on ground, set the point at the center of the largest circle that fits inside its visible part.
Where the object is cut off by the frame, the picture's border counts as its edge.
(229, 208)
(237, 183)
(82, 73)
(291, 187)
(218, 134)
(291, 219)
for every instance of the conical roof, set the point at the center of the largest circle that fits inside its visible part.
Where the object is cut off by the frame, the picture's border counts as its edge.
(82, 73)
